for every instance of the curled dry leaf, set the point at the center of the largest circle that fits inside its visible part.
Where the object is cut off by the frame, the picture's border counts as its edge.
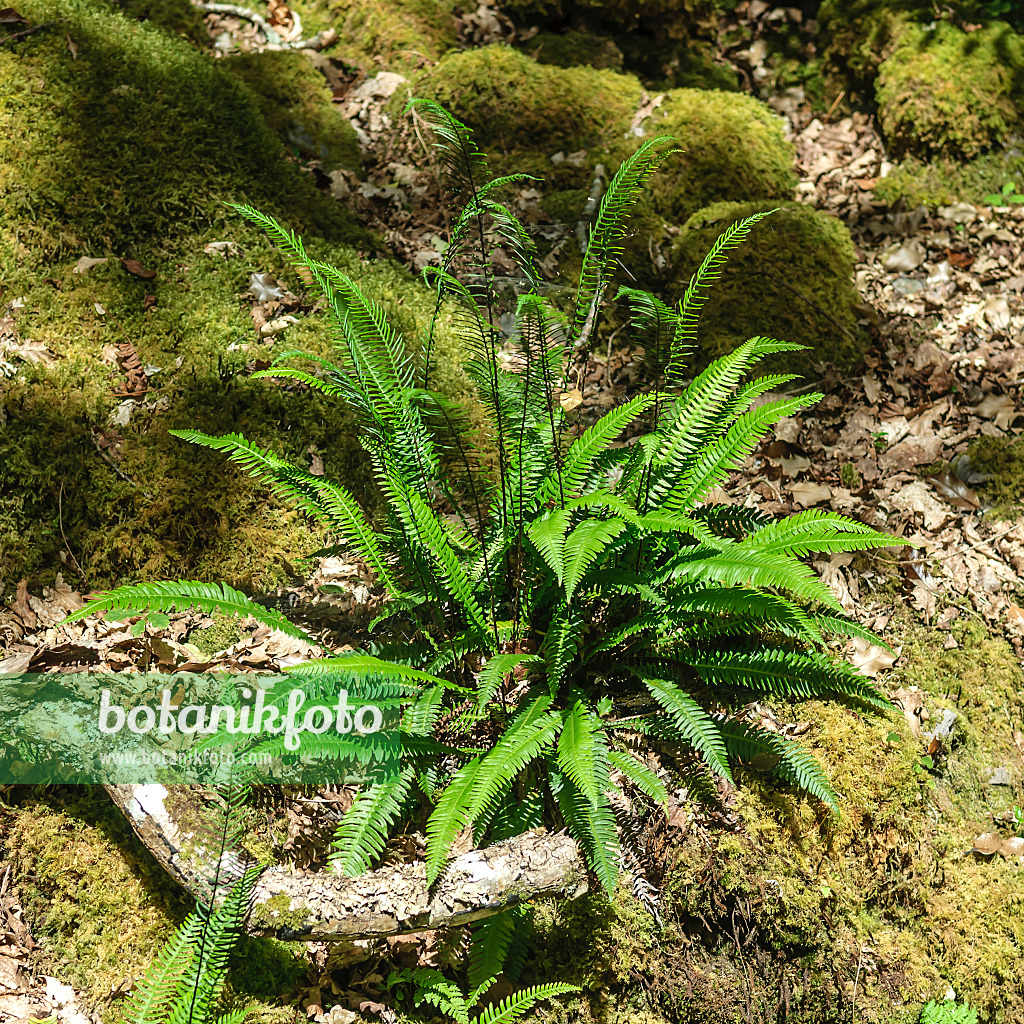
(911, 702)
(277, 326)
(870, 659)
(138, 270)
(990, 843)
(569, 400)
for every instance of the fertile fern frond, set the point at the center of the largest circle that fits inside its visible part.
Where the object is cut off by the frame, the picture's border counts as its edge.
(697, 290)
(178, 595)
(608, 232)
(462, 161)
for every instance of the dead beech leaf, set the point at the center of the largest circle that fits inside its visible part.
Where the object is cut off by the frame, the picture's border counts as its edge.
(911, 702)
(1015, 615)
(277, 326)
(138, 270)
(9, 16)
(997, 313)
(808, 494)
(955, 491)
(999, 408)
(72, 48)
(870, 659)
(988, 843)
(569, 400)
(29, 352)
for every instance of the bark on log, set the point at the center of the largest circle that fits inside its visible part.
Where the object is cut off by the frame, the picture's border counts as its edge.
(393, 900)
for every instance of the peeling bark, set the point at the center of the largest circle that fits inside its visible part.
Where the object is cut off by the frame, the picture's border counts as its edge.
(393, 900)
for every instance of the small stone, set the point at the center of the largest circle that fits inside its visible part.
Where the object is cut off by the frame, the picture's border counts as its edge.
(959, 213)
(1001, 777)
(906, 286)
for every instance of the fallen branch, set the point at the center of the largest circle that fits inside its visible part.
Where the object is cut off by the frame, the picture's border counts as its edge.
(394, 900)
(275, 41)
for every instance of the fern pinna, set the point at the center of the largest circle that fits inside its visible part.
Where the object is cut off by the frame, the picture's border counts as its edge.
(567, 594)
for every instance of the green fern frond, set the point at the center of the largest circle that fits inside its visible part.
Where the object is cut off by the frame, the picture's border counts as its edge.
(640, 775)
(317, 383)
(363, 831)
(795, 764)
(696, 294)
(583, 751)
(693, 723)
(171, 596)
(513, 1007)
(592, 825)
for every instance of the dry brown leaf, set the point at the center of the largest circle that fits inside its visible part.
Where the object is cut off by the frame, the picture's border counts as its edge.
(569, 400)
(138, 270)
(808, 494)
(86, 263)
(870, 659)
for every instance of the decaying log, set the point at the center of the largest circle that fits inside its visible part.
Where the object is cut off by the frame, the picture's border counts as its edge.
(393, 900)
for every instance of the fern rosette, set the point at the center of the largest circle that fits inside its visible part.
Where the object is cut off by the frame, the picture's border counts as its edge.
(574, 603)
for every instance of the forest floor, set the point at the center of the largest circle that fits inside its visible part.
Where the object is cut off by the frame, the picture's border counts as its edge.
(921, 443)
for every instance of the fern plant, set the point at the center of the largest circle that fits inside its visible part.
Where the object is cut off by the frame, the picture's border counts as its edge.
(185, 982)
(433, 988)
(558, 598)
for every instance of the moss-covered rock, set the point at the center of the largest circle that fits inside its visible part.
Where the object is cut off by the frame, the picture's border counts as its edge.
(792, 279)
(131, 151)
(381, 33)
(944, 91)
(295, 102)
(942, 181)
(732, 148)
(516, 106)
(574, 48)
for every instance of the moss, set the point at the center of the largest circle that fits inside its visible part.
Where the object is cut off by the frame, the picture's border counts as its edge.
(295, 102)
(225, 631)
(130, 150)
(178, 17)
(379, 33)
(944, 91)
(277, 913)
(942, 181)
(733, 148)
(515, 105)
(137, 141)
(574, 48)
(792, 279)
(1003, 460)
(103, 908)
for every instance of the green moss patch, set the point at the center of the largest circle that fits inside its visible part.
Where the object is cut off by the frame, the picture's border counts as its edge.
(947, 92)
(103, 908)
(792, 279)
(942, 181)
(1002, 459)
(733, 148)
(295, 102)
(574, 48)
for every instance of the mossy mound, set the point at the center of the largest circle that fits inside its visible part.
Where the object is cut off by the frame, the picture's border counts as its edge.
(295, 102)
(947, 92)
(733, 148)
(574, 48)
(131, 150)
(1001, 459)
(138, 140)
(101, 906)
(792, 279)
(379, 33)
(881, 909)
(669, 43)
(942, 181)
(522, 112)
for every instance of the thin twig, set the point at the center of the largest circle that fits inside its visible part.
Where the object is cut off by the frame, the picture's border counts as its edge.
(27, 32)
(60, 523)
(274, 39)
(117, 469)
